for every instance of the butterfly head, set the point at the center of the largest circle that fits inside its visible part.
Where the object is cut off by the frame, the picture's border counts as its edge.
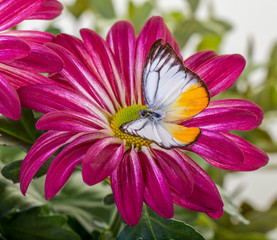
(124, 116)
(155, 115)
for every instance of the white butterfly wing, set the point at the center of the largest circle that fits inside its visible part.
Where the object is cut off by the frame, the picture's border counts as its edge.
(171, 88)
(166, 82)
(155, 131)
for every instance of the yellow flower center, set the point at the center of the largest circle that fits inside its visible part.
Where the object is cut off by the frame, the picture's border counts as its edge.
(125, 115)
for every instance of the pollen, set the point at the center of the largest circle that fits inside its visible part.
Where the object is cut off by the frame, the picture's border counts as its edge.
(125, 115)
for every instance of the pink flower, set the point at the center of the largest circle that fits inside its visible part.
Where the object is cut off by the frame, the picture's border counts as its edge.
(104, 81)
(21, 52)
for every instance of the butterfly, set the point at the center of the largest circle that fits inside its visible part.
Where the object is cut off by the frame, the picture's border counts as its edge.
(172, 93)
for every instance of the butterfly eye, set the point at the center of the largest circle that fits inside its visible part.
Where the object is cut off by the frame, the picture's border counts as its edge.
(142, 113)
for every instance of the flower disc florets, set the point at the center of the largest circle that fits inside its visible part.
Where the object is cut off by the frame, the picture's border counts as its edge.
(124, 115)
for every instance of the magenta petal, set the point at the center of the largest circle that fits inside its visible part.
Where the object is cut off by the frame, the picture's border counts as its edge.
(9, 101)
(13, 12)
(127, 184)
(197, 59)
(220, 73)
(218, 150)
(47, 98)
(175, 169)
(69, 121)
(205, 196)
(43, 148)
(216, 214)
(122, 40)
(152, 30)
(254, 158)
(82, 79)
(18, 77)
(240, 104)
(157, 194)
(64, 164)
(13, 48)
(41, 59)
(76, 47)
(223, 119)
(49, 10)
(31, 36)
(102, 159)
(106, 67)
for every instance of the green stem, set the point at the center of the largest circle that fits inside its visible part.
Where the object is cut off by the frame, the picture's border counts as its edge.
(116, 222)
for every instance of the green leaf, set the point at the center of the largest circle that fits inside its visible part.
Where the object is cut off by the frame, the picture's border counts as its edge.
(227, 234)
(35, 224)
(184, 30)
(223, 25)
(85, 203)
(139, 14)
(53, 30)
(29, 217)
(78, 7)
(103, 7)
(185, 215)
(28, 122)
(9, 154)
(12, 200)
(261, 221)
(205, 225)
(230, 207)
(152, 226)
(109, 199)
(11, 171)
(81, 203)
(210, 42)
(272, 67)
(22, 129)
(9, 141)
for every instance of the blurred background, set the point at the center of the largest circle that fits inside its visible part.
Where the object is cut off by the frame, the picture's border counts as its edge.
(245, 27)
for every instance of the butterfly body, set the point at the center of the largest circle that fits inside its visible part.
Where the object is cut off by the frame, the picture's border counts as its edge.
(154, 115)
(172, 93)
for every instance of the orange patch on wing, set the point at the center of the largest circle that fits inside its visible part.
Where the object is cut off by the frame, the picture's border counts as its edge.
(183, 134)
(188, 104)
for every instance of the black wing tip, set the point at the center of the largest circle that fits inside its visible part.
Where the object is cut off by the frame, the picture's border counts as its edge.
(121, 128)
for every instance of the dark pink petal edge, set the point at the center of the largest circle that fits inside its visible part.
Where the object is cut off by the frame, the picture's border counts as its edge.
(13, 12)
(65, 163)
(102, 158)
(122, 41)
(30, 36)
(254, 158)
(220, 72)
(70, 121)
(128, 186)
(157, 194)
(175, 169)
(224, 116)
(41, 59)
(13, 48)
(205, 196)
(218, 150)
(47, 98)
(9, 100)
(43, 148)
(107, 68)
(197, 59)
(19, 78)
(49, 10)
(82, 79)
